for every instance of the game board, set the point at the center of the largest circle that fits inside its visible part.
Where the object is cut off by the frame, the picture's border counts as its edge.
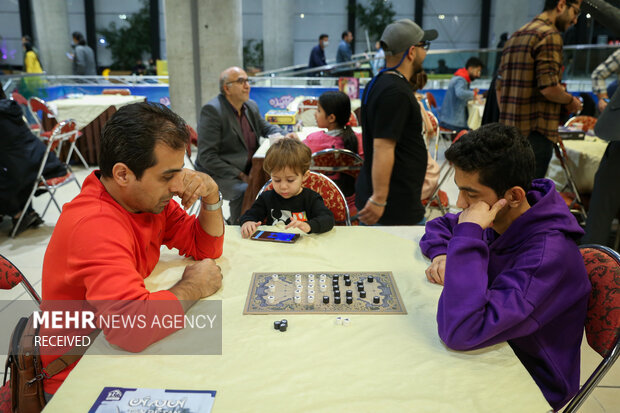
(295, 293)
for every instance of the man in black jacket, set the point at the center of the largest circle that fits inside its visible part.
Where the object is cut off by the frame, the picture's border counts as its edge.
(229, 129)
(20, 159)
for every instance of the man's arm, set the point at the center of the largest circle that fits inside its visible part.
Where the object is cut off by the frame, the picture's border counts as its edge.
(461, 90)
(603, 71)
(382, 165)
(79, 61)
(210, 137)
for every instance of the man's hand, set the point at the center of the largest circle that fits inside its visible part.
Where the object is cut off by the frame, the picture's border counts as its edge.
(302, 225)
(205, 275)
(371, 213)
(482, 213)
(574, 106)
(602, 104)
(436, 271)
(195, 185)
(249, 227)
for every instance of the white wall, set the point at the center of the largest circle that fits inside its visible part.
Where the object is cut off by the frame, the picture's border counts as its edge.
(10, 34)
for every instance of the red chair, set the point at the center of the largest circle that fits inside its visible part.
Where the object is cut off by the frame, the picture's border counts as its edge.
(123, 92)
(603, 318)
(587, 122)
(28, 113)
(431, 100)
(308, 105)
(62, 132)
(573, 199)
(332, 195)
(10, 276)
(47, 116)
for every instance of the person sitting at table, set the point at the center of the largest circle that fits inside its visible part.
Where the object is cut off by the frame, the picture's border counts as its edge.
(21, 153)
(288, 163)
(107, 239)
(453, 113)
(509, 263)
(333, 113)
(229, 129)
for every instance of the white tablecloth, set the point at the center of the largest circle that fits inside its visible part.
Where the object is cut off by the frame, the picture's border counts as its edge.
(85, 109)
(380, 363)
(475, 111)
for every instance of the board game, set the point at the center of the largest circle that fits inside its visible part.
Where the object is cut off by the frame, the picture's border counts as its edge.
(324, 293)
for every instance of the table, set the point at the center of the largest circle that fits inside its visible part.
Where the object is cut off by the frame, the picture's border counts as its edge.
(386, 363)
(584, 157)
(90, 112)
(258, 177)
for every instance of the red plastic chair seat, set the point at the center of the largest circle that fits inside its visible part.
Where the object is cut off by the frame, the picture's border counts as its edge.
(443, 198)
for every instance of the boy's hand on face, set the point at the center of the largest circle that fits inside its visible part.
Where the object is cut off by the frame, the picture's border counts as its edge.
(195, 185)
(436, 271)
(481, 213)
(302, 225)
(248, 228)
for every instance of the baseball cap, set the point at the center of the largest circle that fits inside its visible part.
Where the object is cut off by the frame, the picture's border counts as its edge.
(402, 34)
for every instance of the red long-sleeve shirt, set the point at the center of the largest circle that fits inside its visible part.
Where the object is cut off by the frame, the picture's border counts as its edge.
(100, 251)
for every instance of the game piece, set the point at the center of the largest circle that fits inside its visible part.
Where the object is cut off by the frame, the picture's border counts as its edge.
(376, 299)
(336, 293)
(298, 291)
(276, 325)
(346, 322)
(322, 287)
(272, 288)
(335, 277)
(284, 321)
(283, 327)
(311, 299)
(297, 299)
(299, 286)
(326, 299)
(371, 278)
(274, 276)
(346, 276)
(322, 276)
(347, 282)
(349, 293)
(338, 321)
(271, 299)
(310, 292)
(349, 300)
(362, 294)
(360, 288)
(337, 299)
(310, 276)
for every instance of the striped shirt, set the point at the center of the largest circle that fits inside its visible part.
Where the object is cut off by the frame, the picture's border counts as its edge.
(603, 71)
(531, 61)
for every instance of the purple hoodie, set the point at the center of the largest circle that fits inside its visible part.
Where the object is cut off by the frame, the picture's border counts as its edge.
(528, 286)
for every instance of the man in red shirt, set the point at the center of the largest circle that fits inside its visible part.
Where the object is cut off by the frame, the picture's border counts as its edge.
(107, 240)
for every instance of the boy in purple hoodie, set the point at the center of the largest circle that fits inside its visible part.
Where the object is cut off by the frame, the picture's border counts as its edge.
(509, 263)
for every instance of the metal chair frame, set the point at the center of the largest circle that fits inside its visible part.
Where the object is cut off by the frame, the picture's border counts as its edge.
(24, 282)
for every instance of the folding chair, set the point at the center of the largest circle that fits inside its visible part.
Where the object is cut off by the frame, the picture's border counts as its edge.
(573, 199)
(123, 92)
(62, 132)
(332, 195)
(587, 122)
(433, 133)
(28, 113)
(38, 105)
(603, 318)
(306, 110)
(71, 130)
(430, 98)
(10, 276)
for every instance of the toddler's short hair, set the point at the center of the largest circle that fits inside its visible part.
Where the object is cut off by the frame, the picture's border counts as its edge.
(287, 153)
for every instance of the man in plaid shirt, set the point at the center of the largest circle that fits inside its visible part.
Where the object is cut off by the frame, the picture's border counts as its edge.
(528, 86)
(602, 72)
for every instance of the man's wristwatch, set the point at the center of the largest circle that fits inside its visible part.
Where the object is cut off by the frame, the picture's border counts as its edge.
(212, 207)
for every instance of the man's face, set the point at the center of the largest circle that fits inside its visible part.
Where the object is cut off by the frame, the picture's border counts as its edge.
(237, 87)
(569, 16)
(472, 191)
(420, 55)
(159, 182)
(474, 72)
(349, 37)
(324, 42)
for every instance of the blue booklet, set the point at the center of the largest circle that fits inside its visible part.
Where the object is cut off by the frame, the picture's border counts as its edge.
(127, 400)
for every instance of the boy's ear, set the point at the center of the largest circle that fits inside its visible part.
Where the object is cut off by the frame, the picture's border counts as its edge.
(306, 174)
(515, 196)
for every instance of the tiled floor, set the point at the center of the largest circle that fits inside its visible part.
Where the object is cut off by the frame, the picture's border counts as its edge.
(27, 251)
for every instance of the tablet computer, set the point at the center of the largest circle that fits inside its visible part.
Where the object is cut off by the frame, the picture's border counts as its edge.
(275, 236)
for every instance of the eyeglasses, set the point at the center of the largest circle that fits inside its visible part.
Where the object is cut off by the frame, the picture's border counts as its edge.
(426, 44)
(241, 81)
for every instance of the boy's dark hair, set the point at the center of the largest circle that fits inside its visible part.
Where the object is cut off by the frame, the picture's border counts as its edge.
(132, 132)
(473, 62)
(499, 153)
(552, 4)
(322, 36)
(79, 37)
(338, 104)
(287, 153)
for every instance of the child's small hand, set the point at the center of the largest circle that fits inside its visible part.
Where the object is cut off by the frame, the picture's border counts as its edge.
(248, 228)
(302, 225)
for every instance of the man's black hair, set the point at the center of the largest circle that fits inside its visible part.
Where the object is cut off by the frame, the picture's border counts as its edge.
(473, 62)
(79, 37)
(322, 36)
(344, 34)
(132, 132)
(499, 153)
(552, 4)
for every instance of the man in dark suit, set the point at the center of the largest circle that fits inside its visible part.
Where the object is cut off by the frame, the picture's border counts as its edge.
(229, 129)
